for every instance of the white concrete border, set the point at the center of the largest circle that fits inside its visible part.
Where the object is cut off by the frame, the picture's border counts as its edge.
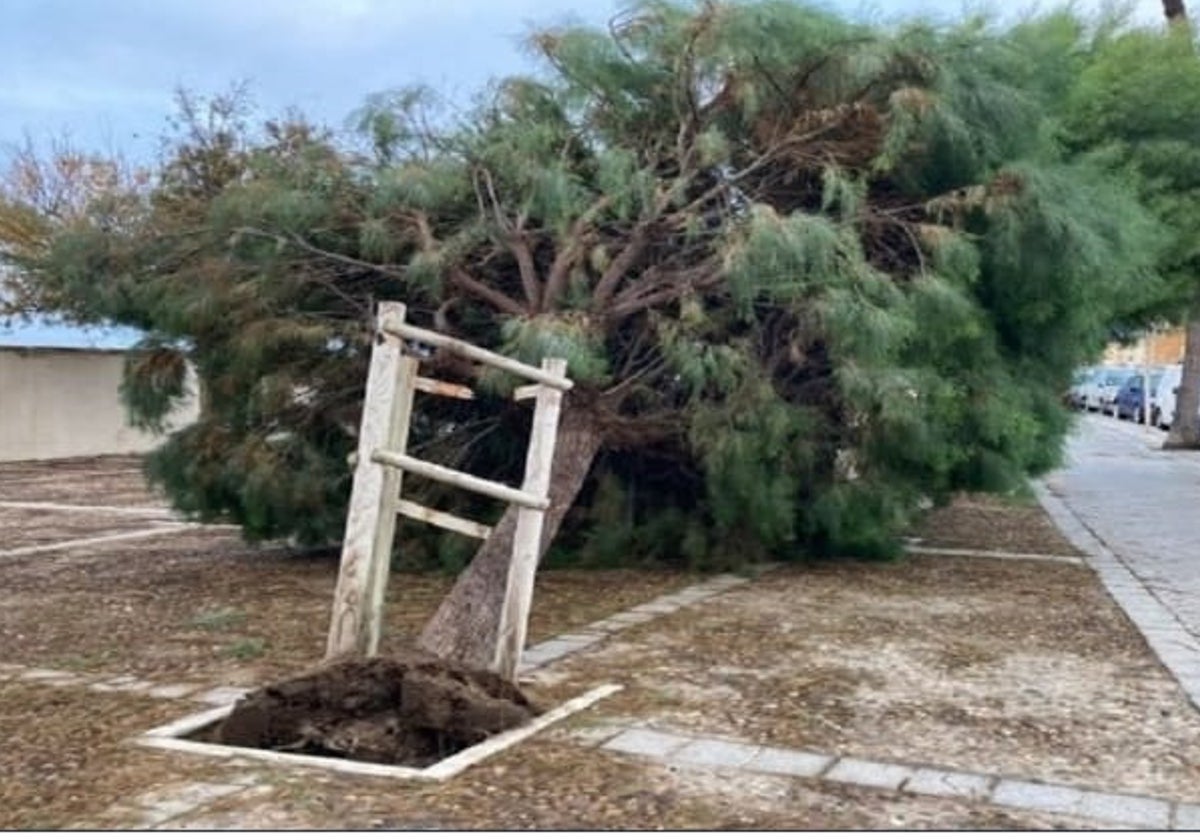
(15, 553)
(165, 513)
(172, 736)
(938, 551)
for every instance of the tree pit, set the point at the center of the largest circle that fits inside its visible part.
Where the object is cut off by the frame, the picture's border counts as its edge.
(410, 710)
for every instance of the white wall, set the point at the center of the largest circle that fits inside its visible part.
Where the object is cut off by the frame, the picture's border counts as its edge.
(62, 403)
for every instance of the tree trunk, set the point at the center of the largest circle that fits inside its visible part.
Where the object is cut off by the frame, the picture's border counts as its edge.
(463, 629)
(1185, 428)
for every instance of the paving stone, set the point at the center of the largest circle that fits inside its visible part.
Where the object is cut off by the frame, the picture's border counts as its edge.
(161, 807)
(553, 649)
(223, 696)
(41, 674)
(790, 762)
(1037, 796)
(593, 736)
(1140, 811)
(173, 691)
(856, 771)
(656, 608)
(693, 599)
(727, 580)
(581, 639)
(647, 743)
(934, 782)
(69, 680)
(713, 753)
(1187, 817)
(630, 618)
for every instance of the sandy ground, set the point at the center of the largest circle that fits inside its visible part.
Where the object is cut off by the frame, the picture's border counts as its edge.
(1019, 668)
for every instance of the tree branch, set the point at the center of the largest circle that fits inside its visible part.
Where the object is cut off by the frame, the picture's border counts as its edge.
(473, 287)
(616, 270)
(565, 259)
(519, 245)
(671, 286)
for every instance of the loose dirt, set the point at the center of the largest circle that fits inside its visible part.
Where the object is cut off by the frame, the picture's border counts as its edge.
(412, 710)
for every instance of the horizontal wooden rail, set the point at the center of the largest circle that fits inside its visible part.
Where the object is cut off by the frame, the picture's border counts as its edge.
(443, 520)
(436, 472)
(470, 351)
(525, 392)
(444, 389)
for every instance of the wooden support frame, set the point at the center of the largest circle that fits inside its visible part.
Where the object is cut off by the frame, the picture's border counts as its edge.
(381, 461)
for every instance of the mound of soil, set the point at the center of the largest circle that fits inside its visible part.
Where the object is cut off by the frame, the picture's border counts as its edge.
(411, 710)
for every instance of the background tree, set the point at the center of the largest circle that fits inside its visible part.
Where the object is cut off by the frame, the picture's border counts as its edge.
(805, 272)
(1136, 111)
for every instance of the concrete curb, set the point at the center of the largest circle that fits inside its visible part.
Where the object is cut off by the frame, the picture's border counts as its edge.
(716, 752)
(1176, 648)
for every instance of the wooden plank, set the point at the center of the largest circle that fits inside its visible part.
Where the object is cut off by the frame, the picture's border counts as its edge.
(396, 326)
(443, 520)
(371, 520)
(444, 389)
(527, 541)
(525, 392)
(436, 472)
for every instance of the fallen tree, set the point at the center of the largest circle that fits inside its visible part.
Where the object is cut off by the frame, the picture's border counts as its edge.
(811, 271)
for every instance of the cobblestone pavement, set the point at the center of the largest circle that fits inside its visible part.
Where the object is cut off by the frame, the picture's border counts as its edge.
(1135, 511)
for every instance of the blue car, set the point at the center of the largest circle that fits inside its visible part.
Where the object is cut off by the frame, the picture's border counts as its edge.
(1129, 404)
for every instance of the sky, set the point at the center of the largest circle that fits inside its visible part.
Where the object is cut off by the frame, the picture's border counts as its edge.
(103, 73)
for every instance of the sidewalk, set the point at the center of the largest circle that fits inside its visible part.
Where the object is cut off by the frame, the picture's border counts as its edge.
(1135, 511)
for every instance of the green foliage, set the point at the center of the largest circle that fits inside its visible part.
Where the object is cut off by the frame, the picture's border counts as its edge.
(1135, 111)
(221, 618)
(245, 649)
(806, 273)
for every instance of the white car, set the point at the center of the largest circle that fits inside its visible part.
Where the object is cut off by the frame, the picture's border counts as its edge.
(1101, 390)
(1162, 406)
(1079, 382)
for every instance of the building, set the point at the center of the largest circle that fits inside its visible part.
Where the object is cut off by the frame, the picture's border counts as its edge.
(64, 402)
(1161, 347)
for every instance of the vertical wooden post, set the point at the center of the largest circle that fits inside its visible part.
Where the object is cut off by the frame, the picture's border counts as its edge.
(527, 540)
(371, 520)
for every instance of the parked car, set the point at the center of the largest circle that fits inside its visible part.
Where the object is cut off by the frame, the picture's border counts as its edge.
(1162, 414)
(1089, 390)
(1130, 404)
(1079, 381)
(1101, 390)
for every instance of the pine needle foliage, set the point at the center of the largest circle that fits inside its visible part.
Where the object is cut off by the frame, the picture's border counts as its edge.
(807, 273)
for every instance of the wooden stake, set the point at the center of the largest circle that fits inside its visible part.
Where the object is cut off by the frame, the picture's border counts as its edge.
(527, 540)
(371, 522)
